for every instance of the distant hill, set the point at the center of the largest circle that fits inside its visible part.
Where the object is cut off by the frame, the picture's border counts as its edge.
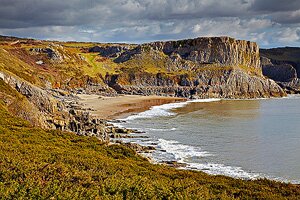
(282, 65)
(284, 55)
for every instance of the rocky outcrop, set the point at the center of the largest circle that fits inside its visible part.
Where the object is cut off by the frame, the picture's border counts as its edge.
(224, 51)
(37, 96)
(280, 73)
(208, 84)
(88, 85)
(196, 68)
(108, 51)
(221, 51)
(51, 53)
(55, 109)
(285, 55)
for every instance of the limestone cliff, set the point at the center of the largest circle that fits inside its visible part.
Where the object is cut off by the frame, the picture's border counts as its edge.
(195, 68)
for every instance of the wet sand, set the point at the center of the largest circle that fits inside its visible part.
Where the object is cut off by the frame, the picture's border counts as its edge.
(122, 106)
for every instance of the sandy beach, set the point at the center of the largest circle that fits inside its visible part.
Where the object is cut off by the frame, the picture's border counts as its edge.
(121, 106)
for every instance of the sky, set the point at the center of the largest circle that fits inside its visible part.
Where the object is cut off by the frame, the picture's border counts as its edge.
(270, 23)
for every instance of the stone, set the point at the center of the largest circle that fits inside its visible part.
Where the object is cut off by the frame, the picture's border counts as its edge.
(50, 52)
(108, 51)
(216, 67)
(40, 62)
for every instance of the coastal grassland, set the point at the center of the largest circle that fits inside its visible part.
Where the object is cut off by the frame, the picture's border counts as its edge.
(22, 63)
(48, 164)
(10, 63)
(74, 62)
(98, 65)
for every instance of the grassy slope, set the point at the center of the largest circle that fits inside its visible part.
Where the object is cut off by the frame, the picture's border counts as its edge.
(36, 163)
(18, 60)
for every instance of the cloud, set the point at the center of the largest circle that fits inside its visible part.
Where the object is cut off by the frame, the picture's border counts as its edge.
(149, 20)
(289, 35)
(291, 17)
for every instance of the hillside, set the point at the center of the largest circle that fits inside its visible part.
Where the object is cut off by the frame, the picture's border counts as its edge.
(36, 163)
(290, 55)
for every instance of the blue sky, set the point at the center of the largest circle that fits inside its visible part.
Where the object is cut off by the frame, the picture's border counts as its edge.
(270, 23)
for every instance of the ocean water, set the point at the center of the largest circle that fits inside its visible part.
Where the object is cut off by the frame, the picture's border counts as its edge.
(239, 138)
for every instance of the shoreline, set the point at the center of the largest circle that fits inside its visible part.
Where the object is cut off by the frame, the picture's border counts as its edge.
(122, 106)
(138, 104)
(114, 108)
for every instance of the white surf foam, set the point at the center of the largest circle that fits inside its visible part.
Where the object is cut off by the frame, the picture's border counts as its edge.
(165, 109)
(221, 169)
(160, 129)
(182, 153)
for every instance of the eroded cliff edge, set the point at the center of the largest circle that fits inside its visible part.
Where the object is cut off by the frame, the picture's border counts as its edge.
(195, 68)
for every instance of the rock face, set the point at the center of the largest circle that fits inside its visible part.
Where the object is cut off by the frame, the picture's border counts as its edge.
(35, 95)
(209, 84)
(196, 68)
(222, 51)
(286, 55)
(108, 51)
(50, 52)
(56, 110)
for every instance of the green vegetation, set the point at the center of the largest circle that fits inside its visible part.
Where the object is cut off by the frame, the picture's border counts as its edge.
(41, 164)
(98, 65)
(10, 63)
(152, 63)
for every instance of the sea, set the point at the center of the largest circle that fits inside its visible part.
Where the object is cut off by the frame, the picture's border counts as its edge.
(247, 139)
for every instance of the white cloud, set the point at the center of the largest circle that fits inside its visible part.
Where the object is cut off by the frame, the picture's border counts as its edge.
(289, 35)
(149, 20)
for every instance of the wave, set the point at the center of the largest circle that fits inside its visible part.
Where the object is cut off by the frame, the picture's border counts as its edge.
(160, 129)
(183, 154)
(181, 151)
(165, 109)
(221, 169)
